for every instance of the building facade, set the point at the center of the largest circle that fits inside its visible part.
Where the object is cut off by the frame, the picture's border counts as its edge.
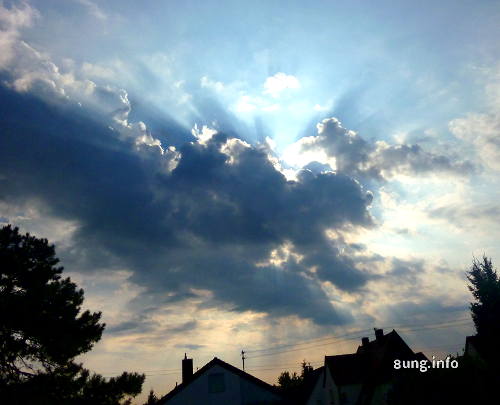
(219, 383)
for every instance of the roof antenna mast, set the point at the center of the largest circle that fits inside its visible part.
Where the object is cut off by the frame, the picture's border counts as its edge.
(243, 359)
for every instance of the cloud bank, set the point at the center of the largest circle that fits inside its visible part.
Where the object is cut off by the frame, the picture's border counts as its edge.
(213, 218)
(211, 221)
(349, 153)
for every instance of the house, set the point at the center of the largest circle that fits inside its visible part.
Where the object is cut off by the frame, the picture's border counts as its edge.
(475, 348)
(364, 377)
(299, 395)
(219, 383)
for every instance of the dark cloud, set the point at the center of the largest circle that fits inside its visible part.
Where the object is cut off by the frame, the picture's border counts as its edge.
(144, 325)
(165, 129)
(190, 347)
(129, 327)
(469, 215)
(430, 310)
(407, 270)
(211, 223)
(183, 327)
(413, 159)
(317, 167)
(357, 157)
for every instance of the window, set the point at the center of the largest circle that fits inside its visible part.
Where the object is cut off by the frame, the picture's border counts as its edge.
(216, 383)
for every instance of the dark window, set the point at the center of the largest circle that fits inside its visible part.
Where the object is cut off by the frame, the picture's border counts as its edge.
(216, 383)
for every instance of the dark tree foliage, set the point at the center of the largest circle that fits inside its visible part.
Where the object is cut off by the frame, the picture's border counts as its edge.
(42, 330)
(40, 323)
(288, 383)
(485, 288)
(73, 385)
(476, 380)
(152, 398)
(470, 383)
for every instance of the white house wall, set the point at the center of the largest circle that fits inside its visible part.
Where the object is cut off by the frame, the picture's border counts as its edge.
(317, 392)
(330, 393)
(352, 392)
(380, 394)
(323, 395)
(238, 391)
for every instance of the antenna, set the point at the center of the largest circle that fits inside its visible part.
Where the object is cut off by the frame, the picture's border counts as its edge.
(243, 359)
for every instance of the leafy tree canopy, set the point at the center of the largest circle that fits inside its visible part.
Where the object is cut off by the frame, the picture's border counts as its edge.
(290, 382)
(42, 330)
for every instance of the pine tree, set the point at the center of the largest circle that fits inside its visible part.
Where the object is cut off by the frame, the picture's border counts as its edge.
(485, 288)
(42, 330)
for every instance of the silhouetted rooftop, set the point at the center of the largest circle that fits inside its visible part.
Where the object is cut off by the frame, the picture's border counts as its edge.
(218, 362)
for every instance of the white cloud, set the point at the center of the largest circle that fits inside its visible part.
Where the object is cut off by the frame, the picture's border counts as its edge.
(327, 106)
(299, 155)
(93, 9)
(34, 72)
(16, 17)
(318, 107)
(216, 86)
(203, 134)
(11, 21)
(275, 85)
(233, 148)
(349, 153)
(482, 131)
(245, 104)
(97, 71)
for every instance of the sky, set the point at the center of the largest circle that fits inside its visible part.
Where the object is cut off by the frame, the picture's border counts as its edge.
(222, 176)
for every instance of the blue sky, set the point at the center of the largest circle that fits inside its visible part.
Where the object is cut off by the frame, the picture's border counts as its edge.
(227, 175)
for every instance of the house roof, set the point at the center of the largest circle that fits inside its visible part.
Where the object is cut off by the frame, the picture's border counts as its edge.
(310, 381)
(390, 342)
(380, 353)
(301, 394)
(345, 368)
(372, 361)
(477, 344)
(421, 356)
(218, 362)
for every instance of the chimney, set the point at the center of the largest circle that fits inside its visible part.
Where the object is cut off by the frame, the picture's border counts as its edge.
(365, 341)
(379, 333)
(187, 369)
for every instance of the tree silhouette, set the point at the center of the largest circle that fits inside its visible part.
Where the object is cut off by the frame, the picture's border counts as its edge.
(42, 330)
(152, 398)
(475, 381)
(288, 383)
(485, 288)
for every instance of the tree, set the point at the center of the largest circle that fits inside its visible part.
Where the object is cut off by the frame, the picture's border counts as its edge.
(42, 330)
(152, 398)
(485, 288)
(467, 384)
(474, 381)
(289, 383)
